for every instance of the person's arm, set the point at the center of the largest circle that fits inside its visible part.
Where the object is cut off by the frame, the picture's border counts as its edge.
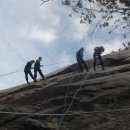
(31, 66)
(40, 64)
(81, 54)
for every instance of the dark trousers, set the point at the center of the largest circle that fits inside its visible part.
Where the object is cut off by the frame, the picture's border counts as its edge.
(39, 71)
(100, 59)
(80, 63)
(26, 74)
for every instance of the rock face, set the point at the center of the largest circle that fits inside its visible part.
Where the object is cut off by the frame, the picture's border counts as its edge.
(102, 101)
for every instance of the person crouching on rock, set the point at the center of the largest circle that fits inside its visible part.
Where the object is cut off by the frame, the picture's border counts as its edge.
(97, 53)
(27, 70)
(80, 60)
(37, 67)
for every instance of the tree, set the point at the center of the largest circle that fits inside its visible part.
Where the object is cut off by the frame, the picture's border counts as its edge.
(113, 14)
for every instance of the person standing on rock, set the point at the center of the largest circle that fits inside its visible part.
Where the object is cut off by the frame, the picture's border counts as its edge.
(37, 67)
(97, 53)
(80, 60)
(27, 70)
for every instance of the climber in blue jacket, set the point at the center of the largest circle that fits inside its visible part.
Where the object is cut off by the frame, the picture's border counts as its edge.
(37, 67)
(80, 60)
(27, 70)
(97, 53)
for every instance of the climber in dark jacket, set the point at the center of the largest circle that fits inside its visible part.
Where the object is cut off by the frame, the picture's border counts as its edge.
(37, 68)
(80, 60)
(97, 53)
(27, 70)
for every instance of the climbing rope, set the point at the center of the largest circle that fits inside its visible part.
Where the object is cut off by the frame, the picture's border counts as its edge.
(63, 115)
(65, 103)
(67, 114)
(21, 69)
(15, 71)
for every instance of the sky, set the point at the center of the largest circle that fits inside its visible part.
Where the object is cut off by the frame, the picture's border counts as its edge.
(28, 30)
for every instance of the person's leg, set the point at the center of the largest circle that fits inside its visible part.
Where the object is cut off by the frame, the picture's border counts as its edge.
(94, 63)
(30, 73)
(101, 62)
(80, 65)
(26, 76)
(40, 72)
(35, 74)
(83, 62)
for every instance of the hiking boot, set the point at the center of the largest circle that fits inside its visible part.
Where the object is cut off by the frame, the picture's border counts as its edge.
(103, 68)
(44, 79)
(87, 70)
(35, 81)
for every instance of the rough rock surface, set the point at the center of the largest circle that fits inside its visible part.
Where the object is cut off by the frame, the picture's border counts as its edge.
(99, 93)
